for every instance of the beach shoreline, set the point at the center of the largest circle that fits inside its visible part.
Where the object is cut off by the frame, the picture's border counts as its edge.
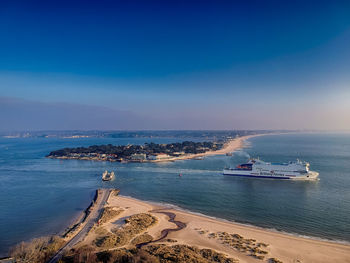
(286, 247)
(174, 207)
(230, 146)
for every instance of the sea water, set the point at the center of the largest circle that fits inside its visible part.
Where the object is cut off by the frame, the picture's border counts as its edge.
(40, 196)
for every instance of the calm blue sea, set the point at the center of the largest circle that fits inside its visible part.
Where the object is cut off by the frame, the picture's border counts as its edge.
(40, 196)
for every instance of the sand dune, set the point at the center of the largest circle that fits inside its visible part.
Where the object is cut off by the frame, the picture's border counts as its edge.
(237, 241)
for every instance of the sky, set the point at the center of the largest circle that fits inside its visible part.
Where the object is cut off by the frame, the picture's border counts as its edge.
(114, 65)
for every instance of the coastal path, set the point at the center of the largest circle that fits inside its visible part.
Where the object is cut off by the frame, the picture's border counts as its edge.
(89, 223)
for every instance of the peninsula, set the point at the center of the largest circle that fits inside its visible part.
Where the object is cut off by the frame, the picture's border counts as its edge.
(151, 152)
(136, 153)
(122, 229)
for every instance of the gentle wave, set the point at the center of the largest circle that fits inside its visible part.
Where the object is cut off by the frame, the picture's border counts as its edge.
(172, 170)
(98, 169)
(242, 154)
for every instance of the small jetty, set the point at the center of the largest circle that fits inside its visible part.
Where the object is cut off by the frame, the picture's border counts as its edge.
(106, 176)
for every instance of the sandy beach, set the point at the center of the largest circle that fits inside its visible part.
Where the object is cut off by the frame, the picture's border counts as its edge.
(229, 147)
(222, 236)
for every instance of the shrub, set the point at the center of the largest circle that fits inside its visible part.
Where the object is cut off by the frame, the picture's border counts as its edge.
(37, 250)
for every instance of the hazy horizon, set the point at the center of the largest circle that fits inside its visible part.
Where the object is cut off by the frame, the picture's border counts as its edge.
(177, 65)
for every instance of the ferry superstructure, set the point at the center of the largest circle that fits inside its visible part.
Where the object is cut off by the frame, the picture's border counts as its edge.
(259, 169)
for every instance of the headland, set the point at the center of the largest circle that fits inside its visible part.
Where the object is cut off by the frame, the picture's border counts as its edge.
(127, 228)
(151, 152)
(236, 241)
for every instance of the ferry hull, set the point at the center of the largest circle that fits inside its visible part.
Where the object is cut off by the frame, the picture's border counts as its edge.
(310, 176)
(257, 176)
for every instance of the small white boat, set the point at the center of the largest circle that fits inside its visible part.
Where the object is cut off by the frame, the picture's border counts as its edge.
(106, 176)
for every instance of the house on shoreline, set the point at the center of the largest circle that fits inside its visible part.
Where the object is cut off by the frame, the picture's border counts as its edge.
(138, 157)
(159, 156)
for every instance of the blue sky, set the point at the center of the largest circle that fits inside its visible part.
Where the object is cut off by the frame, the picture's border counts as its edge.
(175, 64)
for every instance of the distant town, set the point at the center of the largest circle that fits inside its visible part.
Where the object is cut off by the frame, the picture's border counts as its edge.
(136, 153)
(209, 135)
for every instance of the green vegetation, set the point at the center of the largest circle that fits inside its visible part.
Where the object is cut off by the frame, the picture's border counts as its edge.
(111, 152)
(184, 253)
(142, 239)
(87, 254)
(150, 254)
(134, 225)
(38, 250)
(109, 213)
(236, 241)
(274, 260)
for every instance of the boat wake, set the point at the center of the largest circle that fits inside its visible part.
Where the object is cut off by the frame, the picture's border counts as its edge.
(241, 153)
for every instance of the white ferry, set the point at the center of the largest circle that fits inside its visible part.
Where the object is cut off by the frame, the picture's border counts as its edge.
(259, 169)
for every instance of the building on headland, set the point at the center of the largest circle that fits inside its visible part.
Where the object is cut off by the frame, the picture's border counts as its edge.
(151, 157)
(177, 154)
(138, 157)
(158, 156)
